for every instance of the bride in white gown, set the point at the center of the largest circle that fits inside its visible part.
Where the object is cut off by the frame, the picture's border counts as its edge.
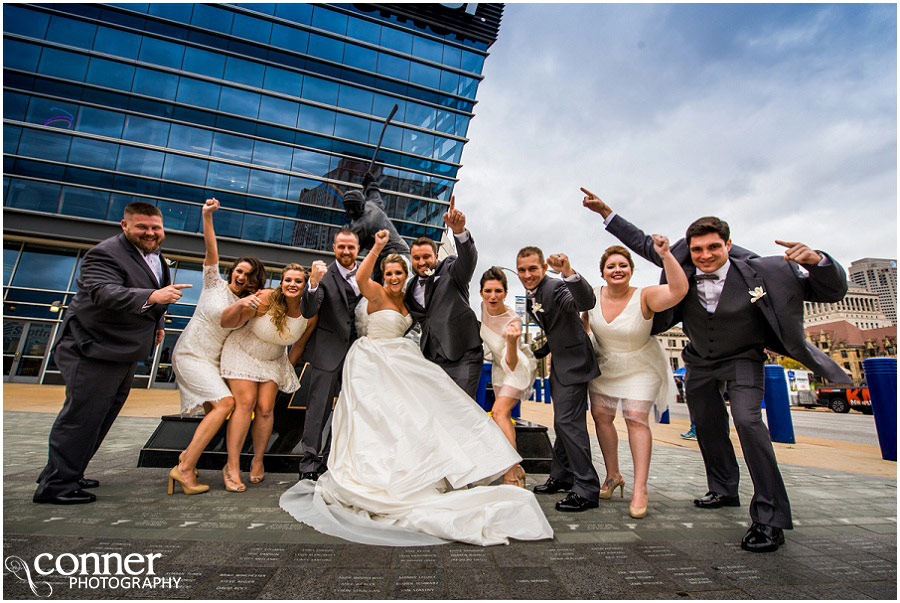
(408, 444)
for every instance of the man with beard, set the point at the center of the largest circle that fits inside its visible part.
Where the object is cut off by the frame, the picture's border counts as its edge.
(332, 293)
(114, 321)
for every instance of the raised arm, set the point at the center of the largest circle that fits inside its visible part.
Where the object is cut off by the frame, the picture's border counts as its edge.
(369, 288)
(827, 281)
(462, 270)
(237, 314)
(631, 236)
(577, 295)
(313, 294)
(209, 233)
(663, 297)
(512, 334)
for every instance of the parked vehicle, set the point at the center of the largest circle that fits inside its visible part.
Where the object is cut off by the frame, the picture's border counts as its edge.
(844, 398)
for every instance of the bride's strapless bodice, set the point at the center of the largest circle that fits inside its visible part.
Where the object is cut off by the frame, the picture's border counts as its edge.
(388, 324)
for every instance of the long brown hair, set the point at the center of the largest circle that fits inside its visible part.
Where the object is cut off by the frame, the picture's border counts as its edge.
(256, 278)
(277, 302)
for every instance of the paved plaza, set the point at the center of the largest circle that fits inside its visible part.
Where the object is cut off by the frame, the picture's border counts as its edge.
(223, 545)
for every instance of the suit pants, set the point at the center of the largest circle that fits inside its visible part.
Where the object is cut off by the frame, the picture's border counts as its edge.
(466, 371)
(324, 386)
(95, 393)
(744, 380)
(572, 449)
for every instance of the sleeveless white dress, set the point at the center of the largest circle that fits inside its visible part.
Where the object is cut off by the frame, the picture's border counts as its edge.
(633, 364)
(195, 359)
(406, 443)
(517, 383)
(259, 352)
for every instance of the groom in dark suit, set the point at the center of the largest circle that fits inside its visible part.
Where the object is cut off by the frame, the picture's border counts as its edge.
(438, 299)
(737, 305)
(556, 305)
(114, 321)
(332, 294)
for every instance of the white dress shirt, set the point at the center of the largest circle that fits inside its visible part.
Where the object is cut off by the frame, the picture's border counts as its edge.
(345, 274)
(708, 290)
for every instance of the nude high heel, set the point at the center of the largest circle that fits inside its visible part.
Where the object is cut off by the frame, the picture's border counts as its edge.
(637, 512)
(607, 493)
(230, 484)
(181, 460)
(176, 476)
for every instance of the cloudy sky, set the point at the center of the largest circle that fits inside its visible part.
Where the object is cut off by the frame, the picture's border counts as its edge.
(780, 119)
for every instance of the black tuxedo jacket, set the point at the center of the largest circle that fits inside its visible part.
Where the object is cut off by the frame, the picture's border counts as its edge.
(334, 332)
(785, 287)
(447, 316)
(107, 318)
(561, 303)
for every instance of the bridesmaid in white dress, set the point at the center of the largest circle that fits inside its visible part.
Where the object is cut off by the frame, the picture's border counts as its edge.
(512, 373)
(256, 364)
(406, 443)
(195, 359)
(634, 368)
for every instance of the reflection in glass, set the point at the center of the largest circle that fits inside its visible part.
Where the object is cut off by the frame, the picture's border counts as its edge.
(44, 267)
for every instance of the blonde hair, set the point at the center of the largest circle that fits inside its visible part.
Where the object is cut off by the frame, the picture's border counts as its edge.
(394, 258)
(277, 302)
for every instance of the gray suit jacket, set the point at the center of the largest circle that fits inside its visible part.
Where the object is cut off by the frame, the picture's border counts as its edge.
(559, 316)
(447, 316)
(785, 286)
(106, 318)
(333, 334)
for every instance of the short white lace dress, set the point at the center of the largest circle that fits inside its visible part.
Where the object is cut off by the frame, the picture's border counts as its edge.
(195, 359)
(259, 352)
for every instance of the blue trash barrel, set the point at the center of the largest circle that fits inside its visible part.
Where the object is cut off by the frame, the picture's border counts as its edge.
(778, 405)
(881, 377)
(481, 394)
(664, 418)
(547, 390)
(537, 391)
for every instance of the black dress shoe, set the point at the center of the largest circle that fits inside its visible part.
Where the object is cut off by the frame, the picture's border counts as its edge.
(552, 486)
(714, 500)
(574, 503)
(310, 475)
(75, 497)
(88, 483)
(761, 538)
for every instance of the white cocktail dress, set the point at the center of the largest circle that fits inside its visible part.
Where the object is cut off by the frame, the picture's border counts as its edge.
(260, 353)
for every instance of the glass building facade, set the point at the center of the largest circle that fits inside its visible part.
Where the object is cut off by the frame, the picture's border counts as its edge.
(274, 109)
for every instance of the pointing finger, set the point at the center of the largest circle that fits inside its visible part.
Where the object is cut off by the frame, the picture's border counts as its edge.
(589, 193)
(182, 286)
(452, 202)
(786, 243)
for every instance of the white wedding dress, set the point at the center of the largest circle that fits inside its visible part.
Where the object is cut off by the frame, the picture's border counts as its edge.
(406, 444)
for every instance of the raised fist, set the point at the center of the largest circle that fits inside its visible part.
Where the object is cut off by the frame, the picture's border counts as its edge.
(661, 245)
(316, 273)
(381, 238)
(210, 206)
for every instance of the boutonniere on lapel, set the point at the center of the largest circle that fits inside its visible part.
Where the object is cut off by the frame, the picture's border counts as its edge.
(536, 308)
(169, 262)
(756, 294)
(429, 272)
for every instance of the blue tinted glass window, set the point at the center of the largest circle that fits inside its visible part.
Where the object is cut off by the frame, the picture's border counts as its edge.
(447, 150)
(162, 53)
(29, 194)
(366, 31)
(467, 86)
(98, 121)
(428, 49)
(182, 216)
(14, 105)
(449, 82)
(46, 145)
(44, 268)
(244, 72)
(353, 128)
(393, 138)
(116, 208)
(425, 75)
(251, 28)
(299, 188)
(11, 135)
(326, 48)
(211, 17)
(452, 56)
(232, 147)
(316, 120)
(24, 22)
(319, 90)
(204, 62)
(71, 32)
(269, 184)
(63, 64)
(228, 177)
(184, 169)
(278, 111)
(190, 139)
(172, 10)
(149, 131)
(471, 62)
(289, 38)
(155, 84)
(462, 125)
(281, 80)
(393, 66)
(382, 105)
(19, 55)
(272, 155)
(418, 143)
(355, 98)
(396, 39)
(298, 13)
(10, 256)
(52, 113)
(239, 102)
(359, 57)
(110, 74)
(327, 19)
(420, 115)
(133, 160)
(268, 9)
(94, 153)
(308, 162)
(117, 42)
(84, 202)
(135, 184)
(258, 228)
(446, 122)
(195, 92)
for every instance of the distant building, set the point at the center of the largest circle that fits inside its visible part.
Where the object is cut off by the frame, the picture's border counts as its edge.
(878, 275)
(848, 345)
(860, 307)
(673, 341)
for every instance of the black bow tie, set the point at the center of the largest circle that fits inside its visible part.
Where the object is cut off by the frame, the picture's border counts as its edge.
(706, 277)
(530, 293)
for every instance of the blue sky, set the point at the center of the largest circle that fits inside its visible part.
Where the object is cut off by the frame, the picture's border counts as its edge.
(780, 119)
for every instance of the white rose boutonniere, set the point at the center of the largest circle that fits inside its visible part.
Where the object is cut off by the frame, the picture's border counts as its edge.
(429, 272)
(169, 262)
(536, 308)
(756, 294)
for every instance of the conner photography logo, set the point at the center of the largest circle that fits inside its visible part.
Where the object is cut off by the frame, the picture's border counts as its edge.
(90, 571)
